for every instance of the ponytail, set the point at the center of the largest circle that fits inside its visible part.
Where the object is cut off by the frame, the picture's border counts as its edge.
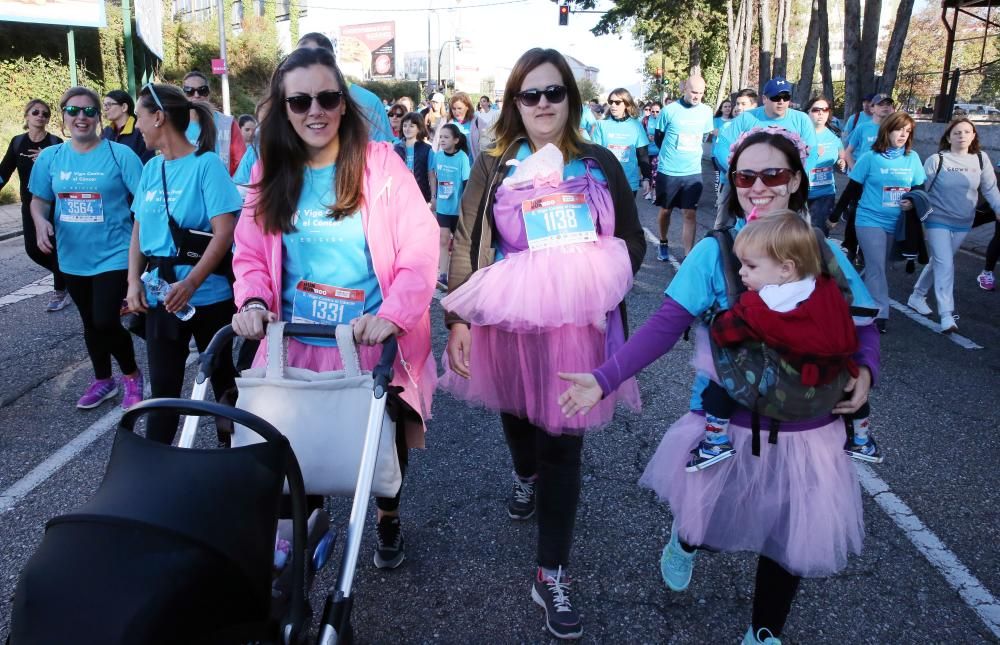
(206, 120)
(177, 109)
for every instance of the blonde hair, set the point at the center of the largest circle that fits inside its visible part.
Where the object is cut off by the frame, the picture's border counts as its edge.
(783, 236)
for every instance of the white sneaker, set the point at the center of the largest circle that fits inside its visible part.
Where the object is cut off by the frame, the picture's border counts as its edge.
(948, 324)
(918, 304)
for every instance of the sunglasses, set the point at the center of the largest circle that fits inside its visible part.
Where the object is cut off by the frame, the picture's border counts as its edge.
(73, 110)
(200, 91)
(553, 94)
(40, 112)
(396, 115)
(770, 177)
(616, 102)
(328, 100)
(656, 111)
(156, 98)
(782, 96)
(819, 109)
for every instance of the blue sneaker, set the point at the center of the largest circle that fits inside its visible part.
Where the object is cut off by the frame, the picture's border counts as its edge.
(762, 637)
(708, 454)
(663, 253)
(676, 564)
(867, 452)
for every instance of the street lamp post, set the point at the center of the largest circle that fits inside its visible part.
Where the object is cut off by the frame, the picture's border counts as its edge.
(458, 46)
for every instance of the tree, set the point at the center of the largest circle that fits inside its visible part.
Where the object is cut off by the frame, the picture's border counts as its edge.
(590, 90)
(869, 44)
(764, 66)
(852, 56)
(804, 88)
(826, 73)
(891, 68)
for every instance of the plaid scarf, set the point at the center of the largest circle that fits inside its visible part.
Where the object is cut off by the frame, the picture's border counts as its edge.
(817, 338)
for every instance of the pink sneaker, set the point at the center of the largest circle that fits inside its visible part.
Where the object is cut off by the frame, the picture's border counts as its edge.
(986, 282)
(133, 390)
(99, 391)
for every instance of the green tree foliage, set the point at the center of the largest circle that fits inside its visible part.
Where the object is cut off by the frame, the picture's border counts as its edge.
(591, 90)
(392, 90)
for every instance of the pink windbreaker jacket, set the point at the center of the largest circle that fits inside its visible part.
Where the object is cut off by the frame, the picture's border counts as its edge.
(403, 240)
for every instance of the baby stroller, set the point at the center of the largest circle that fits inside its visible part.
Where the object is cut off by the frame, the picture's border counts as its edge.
(176, 545)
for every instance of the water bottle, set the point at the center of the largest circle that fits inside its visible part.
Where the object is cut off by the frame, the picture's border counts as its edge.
(160, 288)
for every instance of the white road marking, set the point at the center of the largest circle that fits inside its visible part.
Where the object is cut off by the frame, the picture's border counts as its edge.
(646, 285)
(40, 473)
(975, 595)
(36, 288)
(958, 339)
(655, 241)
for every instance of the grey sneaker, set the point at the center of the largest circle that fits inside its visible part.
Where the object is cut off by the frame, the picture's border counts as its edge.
(522, 503)
(58, 301)
(389, 544)
(552, 594)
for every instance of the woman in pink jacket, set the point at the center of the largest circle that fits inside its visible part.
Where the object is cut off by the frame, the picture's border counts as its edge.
(328, 208)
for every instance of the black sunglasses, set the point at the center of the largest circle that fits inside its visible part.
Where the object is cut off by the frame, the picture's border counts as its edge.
(616, 102)
(328, 100)
(781, 96)
(397, 115)
(819, 109)
(40, 112)
(553, 94)
(201, 91)
(89, 112)
(770, 177)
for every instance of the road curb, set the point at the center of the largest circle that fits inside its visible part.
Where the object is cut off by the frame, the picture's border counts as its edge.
(11, 234)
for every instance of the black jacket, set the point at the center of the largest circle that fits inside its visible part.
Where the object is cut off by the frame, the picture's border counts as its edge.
(421, 163)
(131, 137)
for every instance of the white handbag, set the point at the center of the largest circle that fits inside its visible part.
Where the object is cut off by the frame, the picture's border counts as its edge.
(323, 414)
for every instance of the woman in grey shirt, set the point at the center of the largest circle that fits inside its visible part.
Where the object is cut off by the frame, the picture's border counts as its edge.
(955, 177)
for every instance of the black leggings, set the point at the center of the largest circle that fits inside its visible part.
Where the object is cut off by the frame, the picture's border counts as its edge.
(557, 462)
(168, 356)
(48, 261)
(98, 298)
(993, 250)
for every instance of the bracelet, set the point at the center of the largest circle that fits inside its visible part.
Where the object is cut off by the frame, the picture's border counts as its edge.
(253, 305)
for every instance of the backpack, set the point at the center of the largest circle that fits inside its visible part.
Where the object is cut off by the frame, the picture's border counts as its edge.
(755, 375)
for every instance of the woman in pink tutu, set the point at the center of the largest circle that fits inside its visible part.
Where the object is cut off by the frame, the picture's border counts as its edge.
(546, 247)
(796, 502)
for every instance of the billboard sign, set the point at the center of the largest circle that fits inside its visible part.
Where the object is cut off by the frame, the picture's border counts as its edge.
(415, 66)
(70, 13)
(369, 49)
(149, 25)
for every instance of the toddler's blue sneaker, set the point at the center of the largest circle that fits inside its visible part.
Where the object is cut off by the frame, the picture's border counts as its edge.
(867, 452)
(708, 454)
(663, 252)
(676, 564)
(762, 637)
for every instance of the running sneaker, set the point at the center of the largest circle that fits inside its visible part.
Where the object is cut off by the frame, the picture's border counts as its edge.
(663, 254)
(708, 454)
(762, 637)
(882, 325)
(133, 390)
(552, 594)
(986, 282)
(948, 324)
(676, 564)
(389, 543)
(58, 301)
(99, 391)
(522, 503)
(442, 281)
(918, 304)
(867, 452)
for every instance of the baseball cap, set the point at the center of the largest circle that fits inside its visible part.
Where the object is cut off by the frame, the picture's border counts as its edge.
(776, 86)
(882, 98)
(868, 97)
(437, 97)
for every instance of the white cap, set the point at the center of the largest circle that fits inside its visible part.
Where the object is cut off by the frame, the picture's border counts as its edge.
(437, 97)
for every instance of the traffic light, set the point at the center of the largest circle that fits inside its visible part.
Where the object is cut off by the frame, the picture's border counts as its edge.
(563, 15)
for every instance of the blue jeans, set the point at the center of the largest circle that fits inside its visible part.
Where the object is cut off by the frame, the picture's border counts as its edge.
(819, 211)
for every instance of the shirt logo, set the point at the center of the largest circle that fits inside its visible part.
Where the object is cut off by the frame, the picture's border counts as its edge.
(64, 176)
(150, 195)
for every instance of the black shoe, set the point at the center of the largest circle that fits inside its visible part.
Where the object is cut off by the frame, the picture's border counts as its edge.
(553, 595)
(522, 504)
(880, 324)
(389, 538)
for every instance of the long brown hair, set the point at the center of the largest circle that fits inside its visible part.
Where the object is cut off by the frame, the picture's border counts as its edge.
(509, 127)
(283, 156)
(177, 113)
(470, 111)
(631, 110)
(891, 123)
(945, 144)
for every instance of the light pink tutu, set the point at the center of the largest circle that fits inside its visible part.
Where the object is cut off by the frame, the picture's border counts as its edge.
(319, 358)
(798, 503)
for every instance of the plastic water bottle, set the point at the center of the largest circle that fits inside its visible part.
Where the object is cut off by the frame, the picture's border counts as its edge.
(160, 288)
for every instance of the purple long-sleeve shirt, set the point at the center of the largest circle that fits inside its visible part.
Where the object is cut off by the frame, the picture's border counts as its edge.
(660, 333)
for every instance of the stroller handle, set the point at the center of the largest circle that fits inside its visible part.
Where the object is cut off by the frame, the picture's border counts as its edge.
(382, 373)
(201, 409)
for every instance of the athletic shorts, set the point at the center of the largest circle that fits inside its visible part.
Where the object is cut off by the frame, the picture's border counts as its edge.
(678, 192)
(449, 222)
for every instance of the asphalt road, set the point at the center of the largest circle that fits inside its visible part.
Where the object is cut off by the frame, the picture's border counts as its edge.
(467, 574)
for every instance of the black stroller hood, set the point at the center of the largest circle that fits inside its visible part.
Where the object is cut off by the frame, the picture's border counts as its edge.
(176, 544)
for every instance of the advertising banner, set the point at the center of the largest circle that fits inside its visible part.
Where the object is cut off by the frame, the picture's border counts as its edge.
(71, 13)
(369, 49)
(149, 24)
(415, 66)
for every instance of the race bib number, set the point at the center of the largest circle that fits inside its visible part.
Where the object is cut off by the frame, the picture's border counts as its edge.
(689, 142)
(325, 305)
(561, 219)
(621, 153)
(446, 189)
(81, 208)
(821, 177)
(892, 194)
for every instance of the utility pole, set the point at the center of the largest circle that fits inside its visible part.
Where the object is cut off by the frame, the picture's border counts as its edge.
(222, 55)
(129, 54)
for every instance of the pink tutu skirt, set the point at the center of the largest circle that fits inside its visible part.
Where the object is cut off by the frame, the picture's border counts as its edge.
(530, 291)
(798, 503)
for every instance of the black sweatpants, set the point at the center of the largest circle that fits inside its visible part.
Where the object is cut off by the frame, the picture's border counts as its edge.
(557, 462)
(993, 249)
(98, 298)
(48, 261)
(167, 357)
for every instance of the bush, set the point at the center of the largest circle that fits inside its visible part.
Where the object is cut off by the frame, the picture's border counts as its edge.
(392, 90)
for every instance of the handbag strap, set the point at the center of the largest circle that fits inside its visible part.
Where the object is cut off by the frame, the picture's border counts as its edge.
(277, 351)
(348, 351)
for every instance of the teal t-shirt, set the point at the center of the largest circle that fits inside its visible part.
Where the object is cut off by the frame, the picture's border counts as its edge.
(199, 188)
(822, 164)
(684, 128)
(90, 191)
(330, 253)
(793, 121)
(884, 180)
(242, 175)
(652, 148)
(587, 123)
(851, 123)
(862, 138)
(452, 171)
(700, 284)
(623, 138)
(379, 128)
